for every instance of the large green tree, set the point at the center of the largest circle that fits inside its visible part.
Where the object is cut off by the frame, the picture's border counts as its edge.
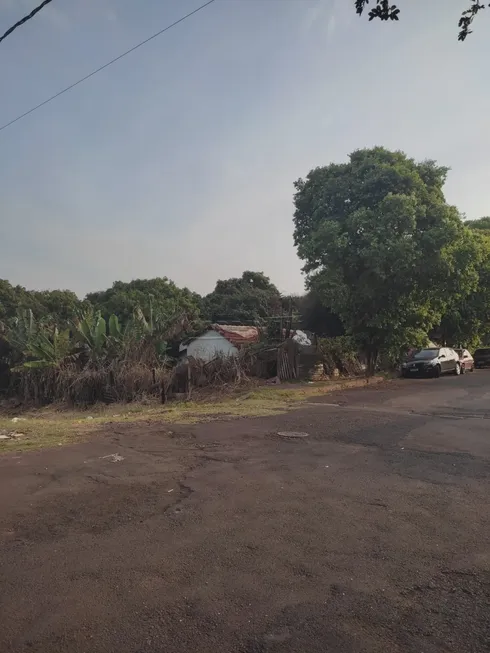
(249, 299)
(54, 306)
(159, 300)
(8, 300)
(382, 247)
(385, 10)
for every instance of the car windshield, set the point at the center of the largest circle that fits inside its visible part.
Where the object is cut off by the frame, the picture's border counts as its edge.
(426, 354)
(460, 352)
(482, 351)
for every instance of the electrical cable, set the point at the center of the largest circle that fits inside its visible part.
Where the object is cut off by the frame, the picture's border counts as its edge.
(25, 19)
(106, 65)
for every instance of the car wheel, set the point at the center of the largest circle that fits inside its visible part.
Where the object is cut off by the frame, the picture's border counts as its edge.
(463, 369)
(457, 369)
(472, 368)
(437, 371)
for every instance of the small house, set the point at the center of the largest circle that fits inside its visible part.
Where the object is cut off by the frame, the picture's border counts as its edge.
(219, 340)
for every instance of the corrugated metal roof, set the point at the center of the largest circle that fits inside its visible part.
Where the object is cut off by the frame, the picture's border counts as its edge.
(237, 334)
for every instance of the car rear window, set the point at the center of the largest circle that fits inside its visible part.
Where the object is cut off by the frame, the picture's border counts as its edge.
(478, 352)
(426, 354)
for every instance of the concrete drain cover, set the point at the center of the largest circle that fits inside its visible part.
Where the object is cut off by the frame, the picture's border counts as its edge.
(293, 434)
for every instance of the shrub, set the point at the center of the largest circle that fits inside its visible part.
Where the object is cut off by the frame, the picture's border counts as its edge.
(340, 353)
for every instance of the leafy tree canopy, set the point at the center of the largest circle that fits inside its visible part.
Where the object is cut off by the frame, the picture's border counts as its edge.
(381, 246)
(466, 321)
(157, 298)
(58, 306)
(481, 224)
(384, 10)
(250, 299)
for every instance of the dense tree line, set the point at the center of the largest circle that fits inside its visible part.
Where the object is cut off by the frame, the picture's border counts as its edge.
(131, 328)
(50, 305)
(482, 225)
(250, 299)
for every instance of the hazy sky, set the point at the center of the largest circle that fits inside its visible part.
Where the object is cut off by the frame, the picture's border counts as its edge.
(179, 160)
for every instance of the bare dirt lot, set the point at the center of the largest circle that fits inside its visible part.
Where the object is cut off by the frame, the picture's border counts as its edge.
(369, 535)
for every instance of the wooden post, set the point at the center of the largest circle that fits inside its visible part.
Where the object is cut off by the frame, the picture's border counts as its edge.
(189, 380)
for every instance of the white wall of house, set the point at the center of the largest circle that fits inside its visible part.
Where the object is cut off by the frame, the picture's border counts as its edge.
(209, 345)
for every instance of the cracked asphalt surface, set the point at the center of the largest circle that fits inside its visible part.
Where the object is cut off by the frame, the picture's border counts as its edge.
(370, 535)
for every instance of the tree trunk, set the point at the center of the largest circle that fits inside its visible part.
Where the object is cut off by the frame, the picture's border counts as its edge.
(372, 359)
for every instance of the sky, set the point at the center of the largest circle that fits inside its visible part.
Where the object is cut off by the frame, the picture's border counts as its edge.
(179, 160)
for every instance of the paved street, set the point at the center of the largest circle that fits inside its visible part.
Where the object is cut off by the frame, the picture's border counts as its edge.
(369, 535)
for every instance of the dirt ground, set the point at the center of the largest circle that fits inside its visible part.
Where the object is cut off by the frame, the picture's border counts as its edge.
(369, 535)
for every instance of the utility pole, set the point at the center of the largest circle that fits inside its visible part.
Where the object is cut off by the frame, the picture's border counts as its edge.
(290, 318)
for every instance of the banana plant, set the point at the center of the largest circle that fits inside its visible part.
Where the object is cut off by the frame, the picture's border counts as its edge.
(118, 338)
(90, 332)
(48, 349)
(40, 346)
(115, 331)
(138, 328)
(22, 331)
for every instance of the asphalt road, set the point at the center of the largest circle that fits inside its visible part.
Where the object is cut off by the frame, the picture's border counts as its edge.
(371, 534)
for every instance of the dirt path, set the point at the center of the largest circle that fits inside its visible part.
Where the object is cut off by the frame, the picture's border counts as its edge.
(369, 535)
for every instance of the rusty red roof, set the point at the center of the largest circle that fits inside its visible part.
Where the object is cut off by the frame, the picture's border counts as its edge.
(237, 334)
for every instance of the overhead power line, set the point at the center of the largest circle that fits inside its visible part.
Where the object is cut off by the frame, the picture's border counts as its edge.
(25, 19)
(106, 65)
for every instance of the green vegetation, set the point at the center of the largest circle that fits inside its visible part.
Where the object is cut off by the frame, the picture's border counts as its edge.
(482, 225)
(57, 306)
(93, 359)
(158, 299)
(251, 299)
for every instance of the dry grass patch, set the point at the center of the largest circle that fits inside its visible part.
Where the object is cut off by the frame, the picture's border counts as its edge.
(39, 431)
(53, 426)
